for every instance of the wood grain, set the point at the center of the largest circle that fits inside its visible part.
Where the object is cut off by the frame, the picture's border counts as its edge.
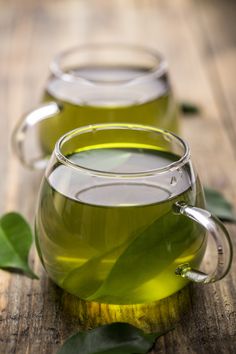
(198, 39)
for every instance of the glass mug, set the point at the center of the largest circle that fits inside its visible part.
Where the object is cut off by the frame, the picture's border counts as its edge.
(93, 84)
(121, 216)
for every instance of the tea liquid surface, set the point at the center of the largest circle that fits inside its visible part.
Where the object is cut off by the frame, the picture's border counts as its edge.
(117, 242)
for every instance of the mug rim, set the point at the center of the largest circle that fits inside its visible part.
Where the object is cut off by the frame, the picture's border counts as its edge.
(184, 158)
(157, 71)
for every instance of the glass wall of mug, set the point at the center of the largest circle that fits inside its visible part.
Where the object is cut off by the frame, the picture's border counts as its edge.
(121, 216)
(99, 83)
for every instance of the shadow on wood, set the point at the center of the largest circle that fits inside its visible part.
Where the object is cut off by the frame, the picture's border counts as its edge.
(151, 317)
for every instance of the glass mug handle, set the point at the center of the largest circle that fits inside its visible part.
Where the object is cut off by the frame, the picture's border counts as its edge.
(42, 112)
(222, 240)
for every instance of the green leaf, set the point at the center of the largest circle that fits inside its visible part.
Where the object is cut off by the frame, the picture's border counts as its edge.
(87, 279)
(134, 259)
(188, 108)
(15, 243)
(115, 338)
(218, 205)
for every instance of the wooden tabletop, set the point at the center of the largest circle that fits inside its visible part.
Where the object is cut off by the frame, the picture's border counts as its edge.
(198, 39)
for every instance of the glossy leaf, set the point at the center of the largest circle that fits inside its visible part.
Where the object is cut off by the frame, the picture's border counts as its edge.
(115, 338)
(86, 279)
(218, 205)
(188, 108)
(147, 251)
(15, 243)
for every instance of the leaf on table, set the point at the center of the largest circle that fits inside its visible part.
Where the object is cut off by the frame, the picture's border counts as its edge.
(218, 205)
(15, 243)
(188, 108)
(115, 338)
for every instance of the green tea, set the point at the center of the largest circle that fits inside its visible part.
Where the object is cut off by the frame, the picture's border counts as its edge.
(107, 98)
(117, 242)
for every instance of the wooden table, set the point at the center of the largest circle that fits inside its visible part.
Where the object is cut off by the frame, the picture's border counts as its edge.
(199, 40)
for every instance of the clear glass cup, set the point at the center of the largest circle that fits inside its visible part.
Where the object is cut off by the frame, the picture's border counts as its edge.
(121, 216)
(93, 84)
